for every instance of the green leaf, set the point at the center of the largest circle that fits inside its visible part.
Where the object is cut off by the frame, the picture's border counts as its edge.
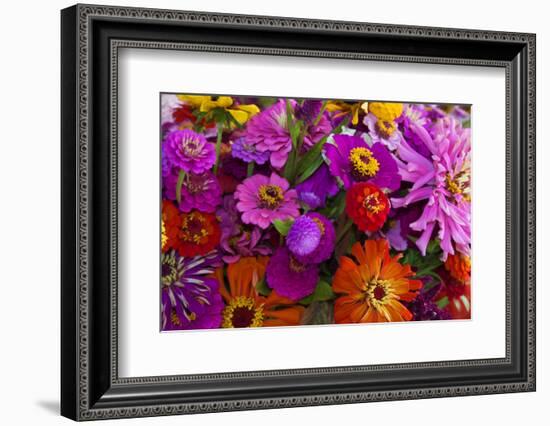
(311, 169)
(179, 184)
(322, 293)
(262, 288)
(318, 313)
(443, 302)
(283, 226)
(311, 156)
(322, 110)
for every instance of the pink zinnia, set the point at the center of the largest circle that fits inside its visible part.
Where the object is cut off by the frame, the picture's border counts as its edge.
(443, 180)
(262, 199)
(268, 132)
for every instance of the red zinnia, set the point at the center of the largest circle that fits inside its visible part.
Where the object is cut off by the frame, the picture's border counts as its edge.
(367, 206)
(191, 234)
(199, 233)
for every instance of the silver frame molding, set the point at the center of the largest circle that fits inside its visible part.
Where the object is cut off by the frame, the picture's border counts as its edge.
(91, 387)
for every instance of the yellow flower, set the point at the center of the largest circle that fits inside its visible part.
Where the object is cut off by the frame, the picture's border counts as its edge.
(345, 108)
(241, 113)
(385, 111)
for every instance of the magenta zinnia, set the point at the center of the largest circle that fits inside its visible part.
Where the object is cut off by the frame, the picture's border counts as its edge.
(268, 132)
(262, 199)
(443, 181)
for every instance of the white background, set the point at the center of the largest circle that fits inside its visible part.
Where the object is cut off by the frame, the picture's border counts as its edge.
(141, 345)
(29, 225)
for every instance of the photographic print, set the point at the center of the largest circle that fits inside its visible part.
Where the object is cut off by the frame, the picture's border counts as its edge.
(290, 211)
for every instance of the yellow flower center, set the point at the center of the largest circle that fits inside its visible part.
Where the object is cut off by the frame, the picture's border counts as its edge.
(385, 128)
(192, 229)
(320, 225)
(270, 196)
(372, 203)
(379, 292)
(242, 312)
(164, 237)
(363, 163)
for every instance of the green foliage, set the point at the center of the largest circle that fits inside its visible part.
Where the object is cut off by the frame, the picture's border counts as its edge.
(262, 288)
(179, 184)
(424, 266)
(283, 226)
(322, 293)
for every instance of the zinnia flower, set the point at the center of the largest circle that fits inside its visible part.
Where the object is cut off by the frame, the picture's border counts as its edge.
(197, 233)
(443, 181)
(459, 267)
(324, 249)
(189, 151)
(202, 192)
(245, 307)
(457, 294)
(290, 278)
(315, 190)
(189, 296)
(352, 160)
(170, 226)
(263, 199)
(247, 152)
(268, 132)
(373, 286)
(367, 206)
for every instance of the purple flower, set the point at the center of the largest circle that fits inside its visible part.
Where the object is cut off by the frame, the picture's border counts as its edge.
(318, 125)
(190, 299)
(352, 160)
(268, 132)
(324, 249)
(383, 132)
(189, 151)
(315, 190)
(202, 192)
(248, 153)
(415, 114)
(443, 181)
(290, 278)
(263, 199)
(239, 240)
(423, 307)
(303, 237)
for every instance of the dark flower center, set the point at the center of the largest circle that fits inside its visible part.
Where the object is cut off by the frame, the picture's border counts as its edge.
(296, 266)
(379, 292)
(363, 164)
(242, 317)
(270, 196)
(193, 228)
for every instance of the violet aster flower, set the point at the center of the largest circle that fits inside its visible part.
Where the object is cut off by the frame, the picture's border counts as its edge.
(268, 132)
(239, 240)
(351, 159)
(415, 114)
(190, 298)
(263, 199)
(303, 236)
(189, 151)
(315, 189)
(324, 249)
(247, 152)
(290, 278)
(443, 181)
(201, 192)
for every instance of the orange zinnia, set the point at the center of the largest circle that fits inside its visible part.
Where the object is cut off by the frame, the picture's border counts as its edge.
(374, 287)
(245, 307)
(459, 267)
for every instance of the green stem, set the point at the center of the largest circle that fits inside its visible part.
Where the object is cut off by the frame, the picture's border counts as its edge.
(250, 169)
(318, 118)
(179, 184)
(343, 230)
(218, 147)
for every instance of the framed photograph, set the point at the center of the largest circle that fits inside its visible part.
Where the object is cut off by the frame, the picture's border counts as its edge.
(263, 212)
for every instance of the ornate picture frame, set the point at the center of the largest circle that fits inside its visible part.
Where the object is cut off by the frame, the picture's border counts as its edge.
(91, 38)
